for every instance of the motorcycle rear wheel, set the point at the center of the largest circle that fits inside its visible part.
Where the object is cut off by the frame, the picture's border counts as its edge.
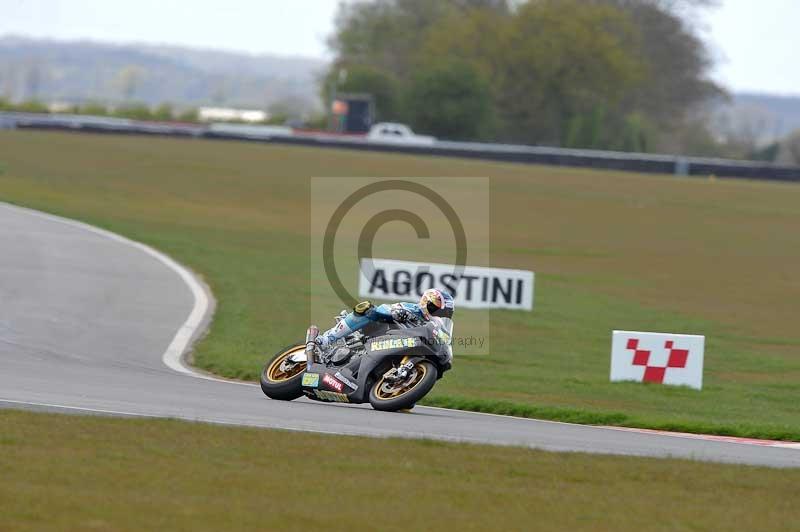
(388, 397)
(282, 380)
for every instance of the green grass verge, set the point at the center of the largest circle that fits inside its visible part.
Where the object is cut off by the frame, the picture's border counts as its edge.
(92, 473)
(619, 419)
(611, 251)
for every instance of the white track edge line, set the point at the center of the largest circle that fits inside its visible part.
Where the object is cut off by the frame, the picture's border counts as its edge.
(170, 416)
(407, 436)
(173, 356)
(738, 440)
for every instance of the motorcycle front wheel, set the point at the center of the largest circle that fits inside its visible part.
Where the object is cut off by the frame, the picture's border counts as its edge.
(281, 378)
(384, 395)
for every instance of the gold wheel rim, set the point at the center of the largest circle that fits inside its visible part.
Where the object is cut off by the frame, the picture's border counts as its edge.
(277, 370)
(383, 395)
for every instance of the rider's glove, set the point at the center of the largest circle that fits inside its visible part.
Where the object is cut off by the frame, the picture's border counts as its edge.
(401, 315)
(322, 341)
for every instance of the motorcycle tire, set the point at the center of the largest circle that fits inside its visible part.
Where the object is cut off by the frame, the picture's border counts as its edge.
(391, 401)
(276, 382)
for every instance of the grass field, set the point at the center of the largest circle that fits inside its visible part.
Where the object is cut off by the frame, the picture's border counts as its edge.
(611, 251)
(87, 473)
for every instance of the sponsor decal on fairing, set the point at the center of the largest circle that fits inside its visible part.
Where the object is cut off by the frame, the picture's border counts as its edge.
(311, 380)
(381, 345)
(333, 383)
(345, 380)
(334, 397)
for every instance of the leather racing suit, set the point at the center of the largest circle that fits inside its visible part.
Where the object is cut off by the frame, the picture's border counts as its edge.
(365, 313)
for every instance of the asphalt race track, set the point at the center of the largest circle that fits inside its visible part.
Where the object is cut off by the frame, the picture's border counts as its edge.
(89, 322)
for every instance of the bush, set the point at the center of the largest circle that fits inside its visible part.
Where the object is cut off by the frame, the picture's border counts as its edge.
(134, 111)
(187, 115)
(163, 112)
(94, 109)
(31, 106)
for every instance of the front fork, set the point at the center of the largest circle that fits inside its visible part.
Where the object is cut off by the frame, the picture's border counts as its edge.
(401, 372)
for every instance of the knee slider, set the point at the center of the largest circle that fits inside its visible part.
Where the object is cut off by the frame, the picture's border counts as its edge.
(362, 308)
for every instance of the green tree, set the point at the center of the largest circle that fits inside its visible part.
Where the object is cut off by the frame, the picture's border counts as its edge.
(188, 115)
(388, 34)
(31, 106)
(591, 73)
(385, 34)
(94, 109)
(790, 149)
(677, 63)
(638, 134)
(383, 87)
(450, 100)
(134, 111)
(555, 66)
(162, 112)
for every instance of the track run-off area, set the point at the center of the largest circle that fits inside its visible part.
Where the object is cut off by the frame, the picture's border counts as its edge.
(91, 322)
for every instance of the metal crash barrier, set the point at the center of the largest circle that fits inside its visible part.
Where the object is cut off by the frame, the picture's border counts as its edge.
(607, 160)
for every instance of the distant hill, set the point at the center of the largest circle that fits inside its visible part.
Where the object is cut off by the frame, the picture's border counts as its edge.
(84, 71)
(81, 71)
(762, 117)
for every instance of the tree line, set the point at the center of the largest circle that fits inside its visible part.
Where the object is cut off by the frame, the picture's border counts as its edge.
(627, 75)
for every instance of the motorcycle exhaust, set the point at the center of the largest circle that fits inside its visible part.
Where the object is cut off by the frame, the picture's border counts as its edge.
(311, 345)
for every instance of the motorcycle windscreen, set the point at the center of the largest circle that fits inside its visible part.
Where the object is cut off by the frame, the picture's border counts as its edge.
(446, 325)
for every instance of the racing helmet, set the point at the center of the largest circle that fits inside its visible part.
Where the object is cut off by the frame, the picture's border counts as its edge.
(436, 303)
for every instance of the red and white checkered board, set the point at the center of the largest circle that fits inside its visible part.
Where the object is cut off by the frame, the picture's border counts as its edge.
(663, 358)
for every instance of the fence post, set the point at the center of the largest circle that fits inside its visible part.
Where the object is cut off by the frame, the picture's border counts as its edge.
(681, 166)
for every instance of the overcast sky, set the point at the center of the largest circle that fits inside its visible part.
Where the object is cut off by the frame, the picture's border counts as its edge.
(755, 43)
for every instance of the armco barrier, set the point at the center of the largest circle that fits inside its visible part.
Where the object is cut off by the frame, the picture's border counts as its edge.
(609, 160)
(100, 124)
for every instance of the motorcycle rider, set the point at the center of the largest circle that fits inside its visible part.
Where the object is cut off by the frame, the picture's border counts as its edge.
(433, 305)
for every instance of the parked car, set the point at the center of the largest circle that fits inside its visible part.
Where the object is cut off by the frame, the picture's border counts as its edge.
(396, 133)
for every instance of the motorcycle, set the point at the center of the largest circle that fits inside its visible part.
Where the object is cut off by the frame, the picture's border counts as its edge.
(389, 365)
